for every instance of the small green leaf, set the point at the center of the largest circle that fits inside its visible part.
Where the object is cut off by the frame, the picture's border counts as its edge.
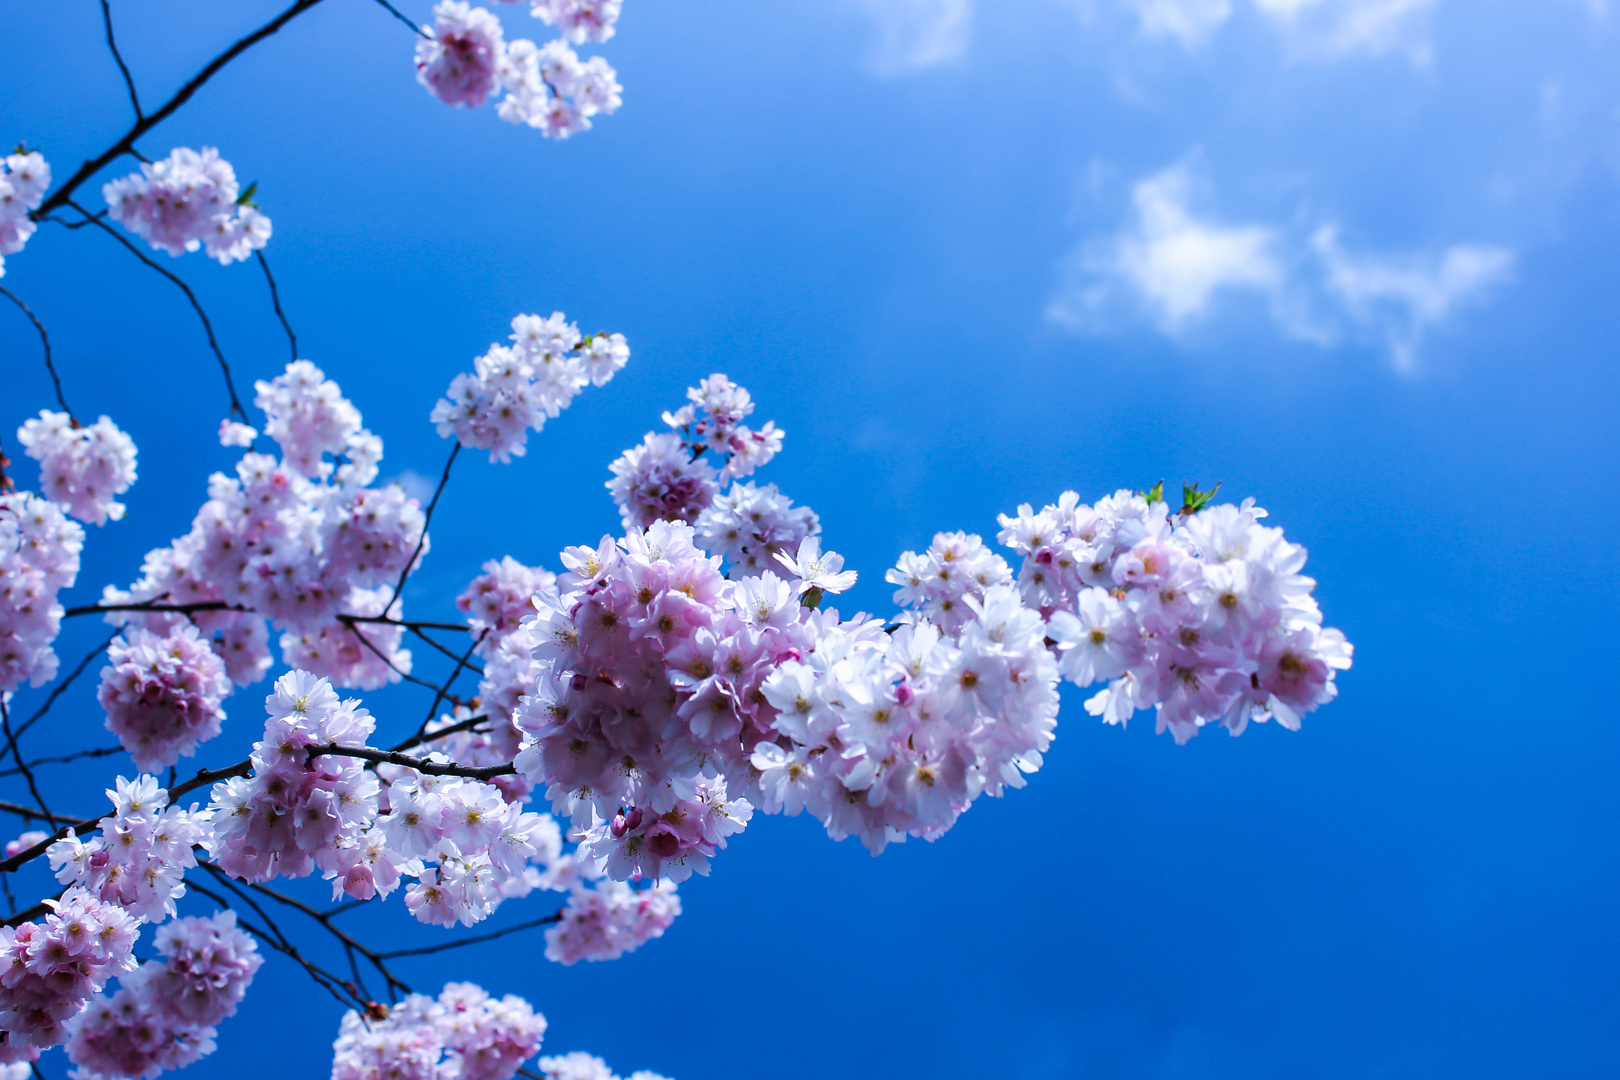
(811, 599)
(1193, 500)
(246, 198)
(1153, 494)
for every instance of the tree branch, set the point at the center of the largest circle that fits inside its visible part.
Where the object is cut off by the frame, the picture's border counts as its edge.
(63, 195)
(476, 939)
(45, 340)
(275, 299)
(208, 327)
(427, 518)
(421, 765)
(134, 98)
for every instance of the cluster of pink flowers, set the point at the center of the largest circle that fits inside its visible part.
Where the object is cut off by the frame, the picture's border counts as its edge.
(464, 58)
(497, 601)
(164, 1013)
(22, 188)
(675, 477)
(162, 694)
(301, 542)
(517, 387)
(296, 812)
(1203, 613)
(751, 525)
(39, 557)
(186, 201)
(603, 920)
(937, 583)
(582, 1066)
(463, 1035)
(140, 858)
(50, 969)
(480, 846)
(81, 468)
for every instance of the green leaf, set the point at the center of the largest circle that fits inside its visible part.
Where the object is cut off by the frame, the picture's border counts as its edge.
(1193, 500)
(1153, 494)
(246, 198)
(811, 599)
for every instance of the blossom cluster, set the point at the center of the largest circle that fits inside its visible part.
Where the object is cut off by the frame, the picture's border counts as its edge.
(140, 858)
(1202, 613)
(582, 1066)
(751, 525)
(464, 1034)
(22, 188)
(188, 200)
(603, 920)
(81, 468)
(464, 59)
(520, 386)
(39, 557)
(296, 812)
(162, 694)
(301, 542)
(164, 1013)
(50, 969)
(675, 475)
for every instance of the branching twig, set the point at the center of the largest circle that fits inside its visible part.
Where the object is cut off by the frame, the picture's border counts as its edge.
(421, 765)
(57, 690)
(402, 18)
(45, 340)
(134, 98)
(275, 300)
(420, 738)
(427, 519)
(444, 689)
(323, 978)
(196, 305)
(63, 195)
(22, 766)
(476, 939)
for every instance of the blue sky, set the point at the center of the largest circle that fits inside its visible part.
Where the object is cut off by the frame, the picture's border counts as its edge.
(1351, 257)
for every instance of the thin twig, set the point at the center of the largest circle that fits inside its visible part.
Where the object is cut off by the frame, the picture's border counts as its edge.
(275, 300)
(421, 738)
(477, 939)
(440, 648)
(403, 18)
(323, 978)
(385, 658)
(16, 752)
(208, 327)
(154, 606)
(444, 688)
(45, 340)
(63, 195)
(28, 813)
(421, 765)
(427, 518)
(134, 98)
(98, 752)
(325, 921)
(57, 690)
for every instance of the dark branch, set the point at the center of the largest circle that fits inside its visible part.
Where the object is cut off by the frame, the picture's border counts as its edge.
(134, 98)
(22, 766)
(45, 340)
(275, 302)
(427, 519)
(63, 195)
(60, 687)
(154, 606)
(208, 327)
(427, 768)
(476, 939)
(402, 18)
(444, 689)
(420, 739)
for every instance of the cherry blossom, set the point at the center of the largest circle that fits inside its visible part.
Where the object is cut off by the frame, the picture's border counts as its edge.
(188, 200)
(39, 556)
(23, 182)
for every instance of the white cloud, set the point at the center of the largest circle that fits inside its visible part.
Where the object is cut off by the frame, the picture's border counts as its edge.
(1401, 296)
(1176, 264)
(1190, 22)
(1339, 27)
(913, 34)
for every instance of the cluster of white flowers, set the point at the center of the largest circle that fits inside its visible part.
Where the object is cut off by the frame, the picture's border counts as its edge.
(520, 386)
(606, 919)
(463, 1035)
(582, 1066)
(162, 694)
(164, 1013)
(81, 468)
(464, 58)
(301, 542)
(937, 583)
(1202, 613)
(675, 477)
(497, 601)
(39, 557)
(49, 970)
(752, 525)
(22, 188)
(186, 201)
(144, 849)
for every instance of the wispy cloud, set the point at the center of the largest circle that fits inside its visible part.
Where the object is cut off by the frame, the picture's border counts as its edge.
(1320, 28)
(1175, 261)
(1401, 296)
(913, 34)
